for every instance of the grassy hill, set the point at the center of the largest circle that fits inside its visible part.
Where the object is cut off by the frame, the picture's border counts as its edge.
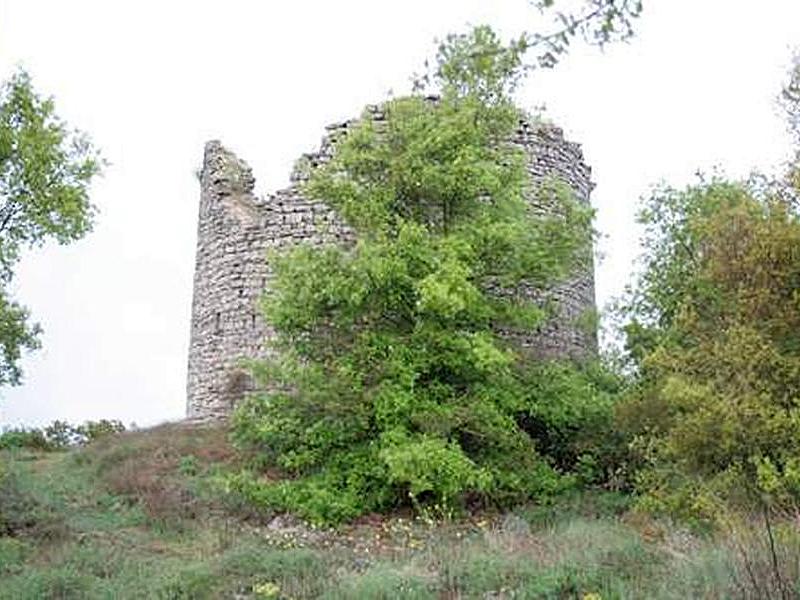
(145, 515)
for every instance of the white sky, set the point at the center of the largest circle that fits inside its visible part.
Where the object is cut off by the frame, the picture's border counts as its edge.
(152, 81)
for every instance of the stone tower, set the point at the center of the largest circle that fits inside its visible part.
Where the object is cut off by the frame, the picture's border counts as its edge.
(236, 229)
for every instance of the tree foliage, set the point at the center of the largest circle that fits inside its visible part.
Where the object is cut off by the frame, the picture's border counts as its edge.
(45, 172)
(715, 334)
(598, 22)
(59, 435)
(392, 386)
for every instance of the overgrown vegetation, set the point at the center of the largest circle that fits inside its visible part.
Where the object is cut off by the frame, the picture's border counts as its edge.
(393, 387)
(394, 405)
(59, 435)
(83, 536)
(715, 338)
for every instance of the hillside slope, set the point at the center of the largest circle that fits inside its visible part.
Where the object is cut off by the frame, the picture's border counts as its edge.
(144, 515)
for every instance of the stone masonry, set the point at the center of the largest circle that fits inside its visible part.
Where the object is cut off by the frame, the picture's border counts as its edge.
(237, 228)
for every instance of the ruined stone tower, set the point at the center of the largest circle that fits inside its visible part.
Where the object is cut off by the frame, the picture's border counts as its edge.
(236, 229)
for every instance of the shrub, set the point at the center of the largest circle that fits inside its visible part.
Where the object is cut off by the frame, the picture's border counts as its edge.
(31, 439)
(58, 435)
(570, 416)
(91, 431)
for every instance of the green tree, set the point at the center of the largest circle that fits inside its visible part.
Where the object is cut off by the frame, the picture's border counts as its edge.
(45, 172)
(714, 332)
(393, 386)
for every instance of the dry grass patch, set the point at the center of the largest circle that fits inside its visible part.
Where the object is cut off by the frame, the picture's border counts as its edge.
(157, 468)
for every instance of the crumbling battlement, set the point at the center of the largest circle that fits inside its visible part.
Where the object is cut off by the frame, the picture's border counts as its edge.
(236, 229)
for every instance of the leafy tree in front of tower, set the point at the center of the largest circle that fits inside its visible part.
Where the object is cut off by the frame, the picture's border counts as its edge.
(45, 173)
(393, 385)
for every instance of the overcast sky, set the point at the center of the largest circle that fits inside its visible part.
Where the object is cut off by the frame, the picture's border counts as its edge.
(152, 81)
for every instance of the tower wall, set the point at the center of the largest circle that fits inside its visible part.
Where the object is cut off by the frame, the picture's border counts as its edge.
(236, 229)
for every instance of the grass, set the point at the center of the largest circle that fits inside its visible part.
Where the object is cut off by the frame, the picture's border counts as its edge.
(139, 515)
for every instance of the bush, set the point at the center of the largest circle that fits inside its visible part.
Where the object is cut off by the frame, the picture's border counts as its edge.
(31, 439)
(571, 418)
(59, 435)
(92, 431)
